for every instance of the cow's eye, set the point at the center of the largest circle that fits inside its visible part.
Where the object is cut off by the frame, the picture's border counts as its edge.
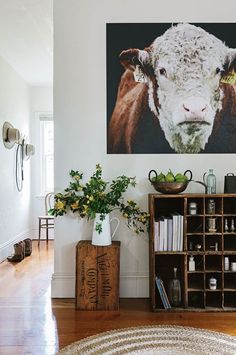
(162, 71)
(218, 70)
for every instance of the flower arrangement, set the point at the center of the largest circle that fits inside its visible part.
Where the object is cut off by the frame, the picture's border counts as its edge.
(100, 196)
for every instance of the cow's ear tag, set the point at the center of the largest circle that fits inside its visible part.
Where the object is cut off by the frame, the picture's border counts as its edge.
(139, 77)
(229, 79)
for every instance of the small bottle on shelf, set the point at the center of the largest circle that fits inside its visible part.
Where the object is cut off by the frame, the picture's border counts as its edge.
(211, 222)
(232, 225)
(211, 207)
(191, 264)
(226, 263)
(233, 266)
(212, 283)
(192, 208)
(226, 225)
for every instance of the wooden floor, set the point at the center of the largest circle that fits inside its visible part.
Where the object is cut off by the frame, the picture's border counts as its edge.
(30, 323)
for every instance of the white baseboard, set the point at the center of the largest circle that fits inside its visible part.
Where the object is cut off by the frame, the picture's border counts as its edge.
(132, 285)
(6, 248)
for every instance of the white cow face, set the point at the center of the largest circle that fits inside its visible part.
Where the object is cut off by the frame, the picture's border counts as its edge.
(184, 67)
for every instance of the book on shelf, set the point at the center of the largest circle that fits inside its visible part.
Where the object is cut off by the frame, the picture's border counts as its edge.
(165, 234)
(175, 231)
(181, 232)
(157, 235)
(168, 233)
(162, 293)
(162, 226)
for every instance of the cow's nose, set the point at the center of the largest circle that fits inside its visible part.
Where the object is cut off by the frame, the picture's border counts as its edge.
(189, 109)
(194, 109)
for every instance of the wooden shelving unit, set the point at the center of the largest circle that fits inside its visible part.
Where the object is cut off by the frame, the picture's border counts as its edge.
(195, 291)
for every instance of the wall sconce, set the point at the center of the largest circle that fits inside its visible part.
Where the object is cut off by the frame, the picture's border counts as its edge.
(10, 135)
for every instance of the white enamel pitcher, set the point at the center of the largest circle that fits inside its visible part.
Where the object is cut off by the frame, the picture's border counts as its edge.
(105, 237)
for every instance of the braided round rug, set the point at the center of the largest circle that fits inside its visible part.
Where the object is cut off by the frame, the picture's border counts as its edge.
(154, 340)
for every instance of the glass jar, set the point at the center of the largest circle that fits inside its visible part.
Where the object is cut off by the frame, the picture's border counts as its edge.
(212, 283)
(211, 224)
(211, 207)
(192, 208)
(175, 290)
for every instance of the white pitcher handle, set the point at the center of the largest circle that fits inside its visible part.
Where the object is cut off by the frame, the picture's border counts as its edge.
(118, 222)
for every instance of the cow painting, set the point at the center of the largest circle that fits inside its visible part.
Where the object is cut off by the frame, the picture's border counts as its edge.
(182, 101)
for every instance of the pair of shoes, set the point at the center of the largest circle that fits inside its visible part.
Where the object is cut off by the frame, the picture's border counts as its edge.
(22, 249)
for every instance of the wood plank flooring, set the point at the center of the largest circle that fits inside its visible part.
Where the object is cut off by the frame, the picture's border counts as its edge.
(32, 323)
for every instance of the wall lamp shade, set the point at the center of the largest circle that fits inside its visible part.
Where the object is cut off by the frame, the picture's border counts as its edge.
(10, 135)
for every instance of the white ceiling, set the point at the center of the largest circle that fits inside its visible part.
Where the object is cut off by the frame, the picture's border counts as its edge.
(26, 38)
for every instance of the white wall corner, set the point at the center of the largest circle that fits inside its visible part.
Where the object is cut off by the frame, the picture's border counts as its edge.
(63, 285)
(134, 285)
(131, 286)
(6, 248)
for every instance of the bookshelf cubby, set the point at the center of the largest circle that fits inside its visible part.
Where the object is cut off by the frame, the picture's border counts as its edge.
(209, 238)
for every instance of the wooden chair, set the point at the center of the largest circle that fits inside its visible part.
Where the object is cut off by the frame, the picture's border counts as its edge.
(47, 221)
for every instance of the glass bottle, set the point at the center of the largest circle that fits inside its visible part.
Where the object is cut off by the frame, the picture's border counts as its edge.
(232, 225)
(175, 290)
(211, 182)
(211, 207)
(226, 225)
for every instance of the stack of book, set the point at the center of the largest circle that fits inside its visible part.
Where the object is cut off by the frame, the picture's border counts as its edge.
(162, 293)
(168, 233)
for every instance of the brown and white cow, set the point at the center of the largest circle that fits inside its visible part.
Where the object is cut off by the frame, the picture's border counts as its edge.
(183, 90)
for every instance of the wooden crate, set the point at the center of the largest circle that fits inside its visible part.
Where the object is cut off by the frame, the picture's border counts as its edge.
(97, 276)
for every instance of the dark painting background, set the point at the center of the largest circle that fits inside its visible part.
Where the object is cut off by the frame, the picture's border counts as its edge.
(121, 36)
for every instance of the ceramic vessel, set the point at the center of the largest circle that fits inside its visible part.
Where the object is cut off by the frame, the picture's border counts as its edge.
(104, 238)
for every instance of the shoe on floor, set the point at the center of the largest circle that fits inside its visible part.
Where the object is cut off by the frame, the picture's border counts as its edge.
(28, 246)
(19, 252)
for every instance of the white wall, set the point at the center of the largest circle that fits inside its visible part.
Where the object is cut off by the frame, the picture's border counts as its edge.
(80, 123)
(14, 206)
(41, 101)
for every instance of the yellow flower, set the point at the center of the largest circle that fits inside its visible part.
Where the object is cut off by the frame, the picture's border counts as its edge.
(130, 202)
(85, 208)
(59, 205)
(91, 198)
(58, 195)
(125, 215)
(77, 177)
(74, 206)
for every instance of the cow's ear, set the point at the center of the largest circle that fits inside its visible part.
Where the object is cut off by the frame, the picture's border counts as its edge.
(230, 65)
(130, 58)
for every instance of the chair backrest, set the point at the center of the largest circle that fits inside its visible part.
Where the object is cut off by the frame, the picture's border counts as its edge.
(49, 202)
